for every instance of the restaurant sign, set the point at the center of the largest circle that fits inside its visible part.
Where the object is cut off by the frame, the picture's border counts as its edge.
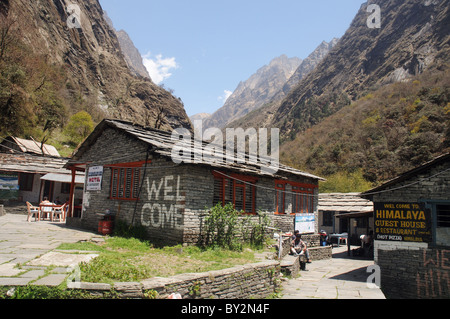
(405, 222)
(95, 176)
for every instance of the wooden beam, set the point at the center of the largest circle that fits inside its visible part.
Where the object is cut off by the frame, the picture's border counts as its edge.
(72, 192)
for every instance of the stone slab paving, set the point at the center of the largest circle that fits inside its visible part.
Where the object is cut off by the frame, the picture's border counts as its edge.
(26, 249)
(339, 278)
(22, 242)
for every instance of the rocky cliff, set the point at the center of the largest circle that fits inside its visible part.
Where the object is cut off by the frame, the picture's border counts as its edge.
(253, 93)
(307, 66)
(413, 37)
(91, 54)
(132, 56)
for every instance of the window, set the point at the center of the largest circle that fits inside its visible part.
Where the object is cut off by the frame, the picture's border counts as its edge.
(302, 196)
(328, 218)
(26, 182)
(441, 222)
(236, 189)
(125, 181)
(65, 188)
(443, 216)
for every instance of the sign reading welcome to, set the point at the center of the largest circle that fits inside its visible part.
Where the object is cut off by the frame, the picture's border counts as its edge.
(407, 222)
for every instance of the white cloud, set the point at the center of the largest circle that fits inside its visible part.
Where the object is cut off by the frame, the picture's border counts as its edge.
(158, 67)
(225, 96)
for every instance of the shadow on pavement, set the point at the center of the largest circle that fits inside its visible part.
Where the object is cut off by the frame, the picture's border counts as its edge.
(358, 275)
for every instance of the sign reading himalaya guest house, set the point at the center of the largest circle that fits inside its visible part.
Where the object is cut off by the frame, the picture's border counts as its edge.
(407, 222)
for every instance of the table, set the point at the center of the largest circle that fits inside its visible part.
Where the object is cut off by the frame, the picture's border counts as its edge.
(49, 209)
(339, 238)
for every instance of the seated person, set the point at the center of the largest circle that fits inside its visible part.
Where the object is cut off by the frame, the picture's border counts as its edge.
(45, 201)
(299, 247)
(46, 210)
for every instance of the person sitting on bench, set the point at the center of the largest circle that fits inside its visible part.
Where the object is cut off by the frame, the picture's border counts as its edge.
(299, 247)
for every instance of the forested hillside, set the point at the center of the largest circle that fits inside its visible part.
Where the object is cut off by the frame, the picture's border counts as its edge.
(380, 136)
(50, 72)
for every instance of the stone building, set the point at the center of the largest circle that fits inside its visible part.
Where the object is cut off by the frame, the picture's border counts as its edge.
(130, 171)
(412, 231)
(28, 177)
(345, 213)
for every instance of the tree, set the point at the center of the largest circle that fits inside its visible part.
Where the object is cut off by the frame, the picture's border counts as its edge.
(79, 127)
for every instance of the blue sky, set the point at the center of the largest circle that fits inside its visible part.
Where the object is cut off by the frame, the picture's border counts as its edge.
(202, 49)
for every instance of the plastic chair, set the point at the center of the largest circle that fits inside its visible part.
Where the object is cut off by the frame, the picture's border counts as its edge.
(47, 211)
(33, 210)
(344, 238)
(61, 211)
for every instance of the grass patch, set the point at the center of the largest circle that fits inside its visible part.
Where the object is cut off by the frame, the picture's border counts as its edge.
(129, 259)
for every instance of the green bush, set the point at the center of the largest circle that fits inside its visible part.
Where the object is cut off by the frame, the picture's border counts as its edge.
(226, 228)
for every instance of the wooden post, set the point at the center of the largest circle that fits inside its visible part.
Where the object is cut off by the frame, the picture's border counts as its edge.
(72, 192)
(348, 237)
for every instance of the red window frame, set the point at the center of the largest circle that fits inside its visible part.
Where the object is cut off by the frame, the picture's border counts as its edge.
(120, 175)
(236, 181)
(302, 200)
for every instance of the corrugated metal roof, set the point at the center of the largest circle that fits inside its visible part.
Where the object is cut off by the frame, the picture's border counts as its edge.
(31, 146)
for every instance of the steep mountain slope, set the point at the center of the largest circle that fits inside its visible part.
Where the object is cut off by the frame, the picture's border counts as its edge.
(131, 54)
(385, 133)
(307, 65)
(200, 117)
(414, 34)
(255, 92)
(95, 67)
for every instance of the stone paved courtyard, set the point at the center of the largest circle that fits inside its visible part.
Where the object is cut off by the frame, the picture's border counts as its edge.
(342, 277)
(32, 246)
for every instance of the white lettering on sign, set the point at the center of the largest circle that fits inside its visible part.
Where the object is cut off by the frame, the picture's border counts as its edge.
(165, 205)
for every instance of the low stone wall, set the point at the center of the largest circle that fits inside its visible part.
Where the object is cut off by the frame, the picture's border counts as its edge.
(242, 282)
(317, 252)
(321, 253)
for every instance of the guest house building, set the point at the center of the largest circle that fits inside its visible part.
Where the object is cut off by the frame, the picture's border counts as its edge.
(412, 231)
(131, 173)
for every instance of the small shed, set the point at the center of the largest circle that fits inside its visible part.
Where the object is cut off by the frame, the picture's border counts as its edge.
(346, 213)
(31, 177)
(335, 209)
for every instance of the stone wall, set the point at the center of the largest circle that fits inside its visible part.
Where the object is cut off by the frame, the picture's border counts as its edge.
(242, 282)
(415, 274)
